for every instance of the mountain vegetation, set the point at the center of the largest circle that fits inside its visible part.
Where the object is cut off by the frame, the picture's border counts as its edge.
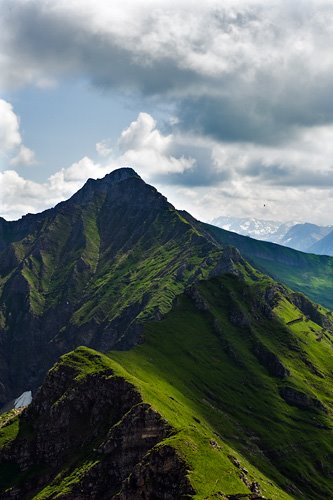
(89, 272)
(216, 379)
(307, 273)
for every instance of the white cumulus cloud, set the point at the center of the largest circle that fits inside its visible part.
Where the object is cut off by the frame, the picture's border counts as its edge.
(10, 137)
(25, 156)
(141, 146)
(103, 148)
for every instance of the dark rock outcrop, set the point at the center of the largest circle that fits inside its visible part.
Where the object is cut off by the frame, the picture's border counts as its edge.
(263, 304)
(270, 361)
(237, 317)
(198, 300)
(273, 294)
(97, 415)
(162, 472)
(301, 400)
(227, 262)
(310, 310)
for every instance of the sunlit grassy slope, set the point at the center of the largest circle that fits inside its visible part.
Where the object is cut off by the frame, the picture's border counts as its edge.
(195, 365)
(198, 367)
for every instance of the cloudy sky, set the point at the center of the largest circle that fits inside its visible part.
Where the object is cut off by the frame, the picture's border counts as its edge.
(226, 107)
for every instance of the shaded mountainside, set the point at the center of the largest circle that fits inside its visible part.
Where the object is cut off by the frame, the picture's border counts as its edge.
(230, 396)
(307, 273)
(95, 268)
(90, 271)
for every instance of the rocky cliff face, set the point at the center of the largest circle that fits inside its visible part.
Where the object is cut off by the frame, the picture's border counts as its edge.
(311, 310)
(88, 434)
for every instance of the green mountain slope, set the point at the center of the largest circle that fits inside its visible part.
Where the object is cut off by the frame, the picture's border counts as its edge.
(85, 435)
(90, 271)
(240, 369)
(95, 268)
(263, 386)
(226, 390)
(307, 273)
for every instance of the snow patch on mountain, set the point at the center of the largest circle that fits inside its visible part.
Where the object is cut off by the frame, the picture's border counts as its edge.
(23, 400)
(267, 230)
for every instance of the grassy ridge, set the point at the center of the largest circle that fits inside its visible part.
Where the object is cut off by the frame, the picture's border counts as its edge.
(307, 273)
(185, 369)
(199, 370)
(115, 255)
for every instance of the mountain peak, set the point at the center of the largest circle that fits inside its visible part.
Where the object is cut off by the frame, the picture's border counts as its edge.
(104, 184)
(118, 175)
(121, 174)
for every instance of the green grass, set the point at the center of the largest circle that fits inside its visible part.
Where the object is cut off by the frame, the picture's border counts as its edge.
(84, 362)
(92, 237)
(99, 262)
(199, 371)
(197, 368)
(149, 270)
(307, 273)
(63, 484)
(183, 370)
(9, 427)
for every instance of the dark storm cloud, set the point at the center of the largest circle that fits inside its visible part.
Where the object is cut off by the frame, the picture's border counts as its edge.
(228, 119)
(253, 73)
(199, 175)
(63, 44)
(288, 176)
(202, 173)
(261, 112)
(250, 78)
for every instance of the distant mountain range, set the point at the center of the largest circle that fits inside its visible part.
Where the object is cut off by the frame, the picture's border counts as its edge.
(305, 236)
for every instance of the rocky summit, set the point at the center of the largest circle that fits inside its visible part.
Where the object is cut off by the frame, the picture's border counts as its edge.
(201, 376)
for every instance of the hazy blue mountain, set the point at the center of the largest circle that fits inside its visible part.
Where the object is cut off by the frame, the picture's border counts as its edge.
(323, 246)
(305, 236)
